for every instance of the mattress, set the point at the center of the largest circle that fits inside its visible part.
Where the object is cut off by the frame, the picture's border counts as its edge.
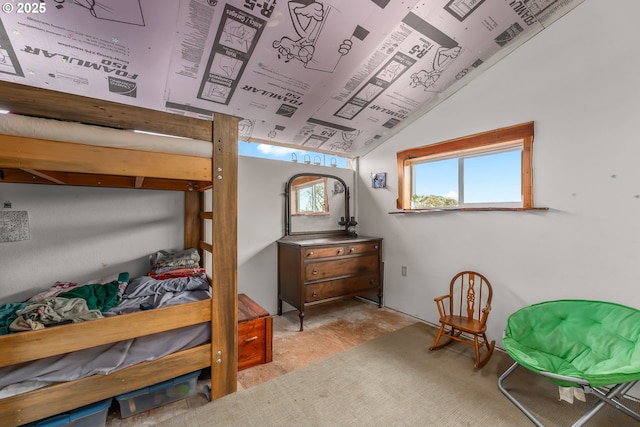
(56, 130)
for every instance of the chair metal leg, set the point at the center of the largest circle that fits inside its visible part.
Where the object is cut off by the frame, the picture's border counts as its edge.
(513, 399)
(611, 398)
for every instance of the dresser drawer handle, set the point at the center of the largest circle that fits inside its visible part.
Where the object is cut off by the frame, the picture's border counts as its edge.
(375, 247)
(340, 251)
(352, 249)
(251, 339)
(310, 253)
(314, 271)
(314, 294)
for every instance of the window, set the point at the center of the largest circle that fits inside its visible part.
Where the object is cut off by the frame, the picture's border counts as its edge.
(310, 197)
(490, 170)
(274, 152)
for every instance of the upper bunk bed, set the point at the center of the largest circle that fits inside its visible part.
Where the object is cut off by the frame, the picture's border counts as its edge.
(37, 159)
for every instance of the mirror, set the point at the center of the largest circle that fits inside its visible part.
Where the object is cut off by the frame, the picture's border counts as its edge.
(316, 203)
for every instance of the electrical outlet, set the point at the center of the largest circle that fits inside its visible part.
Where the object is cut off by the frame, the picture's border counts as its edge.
(404, 270)
(7, 204)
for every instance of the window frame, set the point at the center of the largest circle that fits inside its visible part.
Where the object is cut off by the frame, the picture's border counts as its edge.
(476, 143)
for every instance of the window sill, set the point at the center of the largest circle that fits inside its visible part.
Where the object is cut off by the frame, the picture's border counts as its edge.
(432, 210)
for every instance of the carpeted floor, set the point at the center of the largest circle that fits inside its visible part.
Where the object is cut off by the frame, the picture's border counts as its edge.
(394, 380)
(329, 329)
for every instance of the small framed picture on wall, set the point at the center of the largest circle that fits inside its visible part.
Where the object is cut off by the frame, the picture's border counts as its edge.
(379, 180)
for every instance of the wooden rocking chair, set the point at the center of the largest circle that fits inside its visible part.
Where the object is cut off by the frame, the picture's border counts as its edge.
(464, 312)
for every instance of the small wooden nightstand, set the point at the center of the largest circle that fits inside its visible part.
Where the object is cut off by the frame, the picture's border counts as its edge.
(255, 333)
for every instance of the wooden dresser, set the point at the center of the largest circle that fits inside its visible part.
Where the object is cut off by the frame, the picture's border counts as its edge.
(321, 269)
(255, 333)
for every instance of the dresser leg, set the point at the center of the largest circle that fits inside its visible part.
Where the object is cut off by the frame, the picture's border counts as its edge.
(380, 299)
(301, 316)
(279, 307)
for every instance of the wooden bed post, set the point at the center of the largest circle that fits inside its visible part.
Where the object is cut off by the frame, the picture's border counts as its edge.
(192, 223)
(224, 274)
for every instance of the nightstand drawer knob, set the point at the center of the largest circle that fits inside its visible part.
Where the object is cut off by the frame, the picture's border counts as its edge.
(314, 271)
(310, 253)
(314, 294)
(251, 339)
(340, 251)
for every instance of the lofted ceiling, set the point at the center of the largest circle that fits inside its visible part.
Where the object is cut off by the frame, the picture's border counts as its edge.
(338, 76)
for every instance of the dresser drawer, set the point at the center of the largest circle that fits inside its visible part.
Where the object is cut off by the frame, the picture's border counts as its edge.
(336, 288)
(353, 249)
(324, 252)
(358, 248)
(341, 267)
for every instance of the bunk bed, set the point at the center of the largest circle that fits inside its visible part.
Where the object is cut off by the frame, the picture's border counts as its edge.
(28, 159)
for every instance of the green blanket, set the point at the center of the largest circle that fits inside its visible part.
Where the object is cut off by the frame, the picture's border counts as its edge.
(98, 296)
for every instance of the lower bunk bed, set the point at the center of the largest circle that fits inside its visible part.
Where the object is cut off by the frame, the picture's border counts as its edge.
(160, 329)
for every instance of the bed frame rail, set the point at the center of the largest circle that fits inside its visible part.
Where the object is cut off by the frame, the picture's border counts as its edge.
(58, 398)
(33, 345)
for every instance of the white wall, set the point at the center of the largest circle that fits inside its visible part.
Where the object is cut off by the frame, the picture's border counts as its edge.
(261, 222)
(83, 234)
(577, 80)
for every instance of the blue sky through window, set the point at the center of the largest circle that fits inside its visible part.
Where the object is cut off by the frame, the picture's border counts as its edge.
(488, 178)
(265, 151)
(438, 178)
(493, 178)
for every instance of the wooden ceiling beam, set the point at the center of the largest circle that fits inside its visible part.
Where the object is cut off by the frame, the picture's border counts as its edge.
(48, 176)
(23, 176)
(64, 106)
(30, 153)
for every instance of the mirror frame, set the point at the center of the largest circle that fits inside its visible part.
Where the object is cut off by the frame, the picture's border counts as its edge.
(287, 206)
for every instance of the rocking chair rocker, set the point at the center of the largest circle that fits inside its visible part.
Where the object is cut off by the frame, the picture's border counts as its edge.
(464, 312)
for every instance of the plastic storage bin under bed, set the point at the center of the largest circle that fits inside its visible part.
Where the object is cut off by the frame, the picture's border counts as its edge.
(94, 415)
(157, 395)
